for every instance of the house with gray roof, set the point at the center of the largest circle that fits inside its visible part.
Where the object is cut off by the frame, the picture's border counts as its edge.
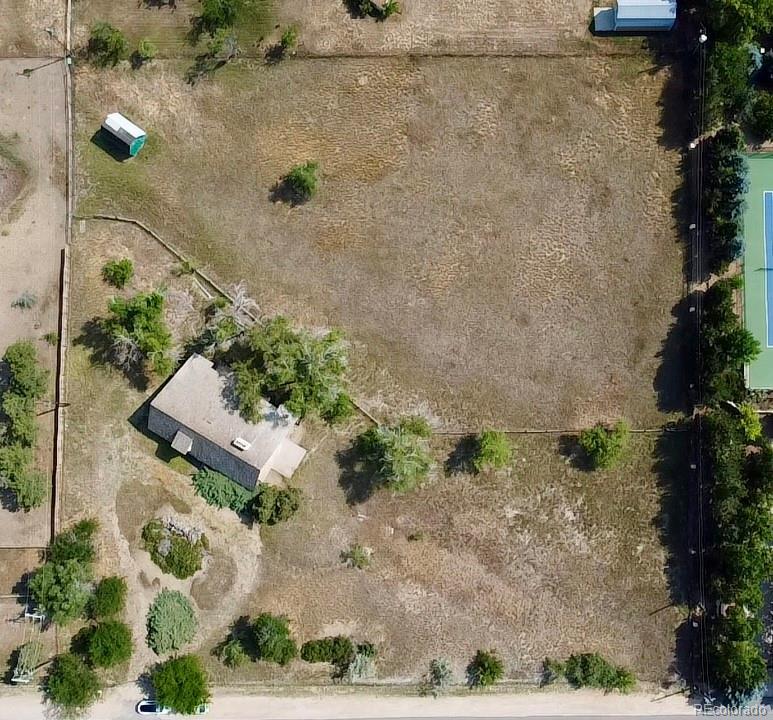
(197, 412)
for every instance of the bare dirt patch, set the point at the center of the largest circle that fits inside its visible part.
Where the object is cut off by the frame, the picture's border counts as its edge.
(499, 231)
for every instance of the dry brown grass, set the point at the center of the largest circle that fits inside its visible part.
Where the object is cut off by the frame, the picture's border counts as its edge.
(495, 236)
(23, 26)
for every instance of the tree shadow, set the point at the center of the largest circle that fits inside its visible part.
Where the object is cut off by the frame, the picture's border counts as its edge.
(8, 500)
(203, 66)
(79, 644)
(460, 460)
(355, 9)
(107, 143)
(10, 667)
(569, 448)
(94, 338)
(275, 54)
(677, 359)
(284, 192)
(359, 478)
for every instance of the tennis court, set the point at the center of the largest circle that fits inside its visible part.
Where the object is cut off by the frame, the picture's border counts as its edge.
(758, 267)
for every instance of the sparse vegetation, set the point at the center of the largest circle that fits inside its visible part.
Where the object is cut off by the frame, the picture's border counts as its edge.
(485, 669)
(295, 369)
(271, 505)
(171, 622)
(356, 556)
(26, 301)
(221, 491)
(272, 638)
(493, 451)
(232, 653)
(289, 39)
(603, 446)
(399, 453)
(118, 272)
(107, 45)
(438, 678)
(145, 52)
(175, 550)
(181, 684)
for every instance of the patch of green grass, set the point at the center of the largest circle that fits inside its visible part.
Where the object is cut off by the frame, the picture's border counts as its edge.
(8, 152)
(256, 20)
(180, 465)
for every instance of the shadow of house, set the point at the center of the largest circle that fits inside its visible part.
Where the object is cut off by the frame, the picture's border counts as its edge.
(109, 144)
(101, 352)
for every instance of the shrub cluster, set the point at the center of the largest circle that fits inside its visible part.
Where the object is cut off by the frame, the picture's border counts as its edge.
(271, 505)
(338, 650)
(18, 426)
(60, 587)
(107, 45)
(138, 333)
(590, 670)
(723, 196)
(725, 344)
(221, 491)
(739, 554)
(398, 453)
(272, 639)
(109, 644)
(301, 371)
(109, 597)
(602, 445)
(71, 684)
(175, 550)
(171, 622)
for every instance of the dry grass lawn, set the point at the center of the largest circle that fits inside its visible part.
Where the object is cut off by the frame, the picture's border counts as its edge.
(23, 26)
(496, 237)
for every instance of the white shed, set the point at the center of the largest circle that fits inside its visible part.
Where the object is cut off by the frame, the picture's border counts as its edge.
(126, 132)
(636, 16)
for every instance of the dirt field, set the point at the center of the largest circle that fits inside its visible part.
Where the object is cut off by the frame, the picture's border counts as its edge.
(32, 235)
(447, 27)
(495, 236)
(23, 26)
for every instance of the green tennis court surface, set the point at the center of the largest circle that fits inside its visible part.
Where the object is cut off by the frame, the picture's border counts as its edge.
(758, 267)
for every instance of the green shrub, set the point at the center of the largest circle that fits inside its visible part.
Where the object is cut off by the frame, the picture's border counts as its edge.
(71, 684)
(485, 669)
(273, 642)
(76, 543)
(172, 551)
(726, 346)
(171, 622)
(181, 684)
(138, 332)
(289, 38)
(760, 117)
(303, 180)
(107, 45)
(271, 505)
(221, 491)
(218, 14)
(399, 455)
(109, 597)
(356, 556)
(145, 52)
(118, 272)
(493, 451)
(750, 421)
(338, 650)
(552, 670)
(728, 80)
(21, 424)
(603, 446)
(232, 653)
(592, 670)
(30, 489)
(739, 667)
(60, 590)
(26, 377)
(110, 644)
(301, 371)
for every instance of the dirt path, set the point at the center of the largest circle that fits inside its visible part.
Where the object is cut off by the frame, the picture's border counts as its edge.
(32, 235)
(119, 705)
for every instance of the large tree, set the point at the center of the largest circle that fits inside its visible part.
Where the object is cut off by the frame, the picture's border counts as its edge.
(181, 684)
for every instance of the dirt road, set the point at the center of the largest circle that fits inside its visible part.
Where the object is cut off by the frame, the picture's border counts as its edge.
(119, 705)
